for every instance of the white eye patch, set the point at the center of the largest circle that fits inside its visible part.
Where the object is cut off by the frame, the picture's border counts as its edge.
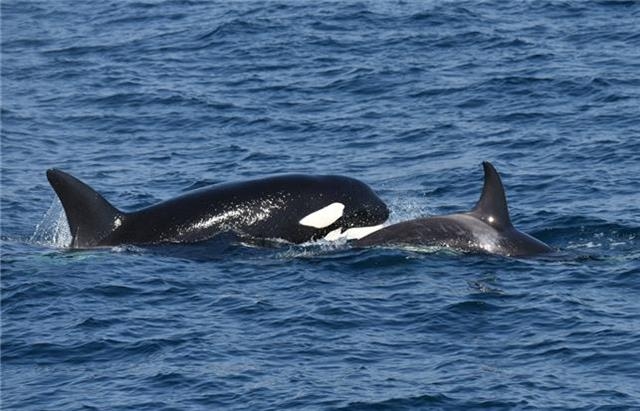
(324, 217)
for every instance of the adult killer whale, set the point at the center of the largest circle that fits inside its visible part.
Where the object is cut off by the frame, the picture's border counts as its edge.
(296, 208)
(486, 228)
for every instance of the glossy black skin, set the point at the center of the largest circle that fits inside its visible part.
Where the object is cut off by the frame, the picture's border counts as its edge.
(267, 208)
(457, 231)
(487, 228)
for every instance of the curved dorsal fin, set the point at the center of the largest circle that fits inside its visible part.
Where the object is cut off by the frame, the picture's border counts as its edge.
(492, 206)
(91, 218)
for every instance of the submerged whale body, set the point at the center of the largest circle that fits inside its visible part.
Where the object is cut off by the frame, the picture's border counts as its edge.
(295, 208)
(486, 228)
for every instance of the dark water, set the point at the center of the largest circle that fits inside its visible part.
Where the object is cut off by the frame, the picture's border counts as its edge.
(147, 99)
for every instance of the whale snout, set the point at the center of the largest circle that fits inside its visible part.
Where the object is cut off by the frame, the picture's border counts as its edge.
(380, 213)
(371, 214)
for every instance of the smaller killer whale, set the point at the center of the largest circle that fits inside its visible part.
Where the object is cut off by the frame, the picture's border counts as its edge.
(486, 228)
(295, 208)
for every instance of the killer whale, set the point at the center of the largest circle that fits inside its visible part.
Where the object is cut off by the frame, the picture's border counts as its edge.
(486, 228)
(295, 208)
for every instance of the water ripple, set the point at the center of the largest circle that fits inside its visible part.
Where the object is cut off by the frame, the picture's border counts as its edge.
(146, 100)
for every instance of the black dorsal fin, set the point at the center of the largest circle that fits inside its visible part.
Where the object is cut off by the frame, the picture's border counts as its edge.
(91, 218)
(492, 206)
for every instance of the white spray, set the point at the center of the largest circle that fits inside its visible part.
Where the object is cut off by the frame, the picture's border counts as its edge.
(53, 230)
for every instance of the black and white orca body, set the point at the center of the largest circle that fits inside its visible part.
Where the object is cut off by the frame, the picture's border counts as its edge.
(486, 228)
(295, 208)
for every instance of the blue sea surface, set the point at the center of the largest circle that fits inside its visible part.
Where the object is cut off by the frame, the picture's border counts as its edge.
(145, 100)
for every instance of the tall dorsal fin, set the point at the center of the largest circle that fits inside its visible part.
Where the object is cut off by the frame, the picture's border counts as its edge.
(492, 206)
(91, 218)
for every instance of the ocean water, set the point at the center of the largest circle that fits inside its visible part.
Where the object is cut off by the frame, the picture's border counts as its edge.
(147, 99)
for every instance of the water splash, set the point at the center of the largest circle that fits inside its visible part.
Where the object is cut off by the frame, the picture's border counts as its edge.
(53, 230)
(313, 249)
(403, 209)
